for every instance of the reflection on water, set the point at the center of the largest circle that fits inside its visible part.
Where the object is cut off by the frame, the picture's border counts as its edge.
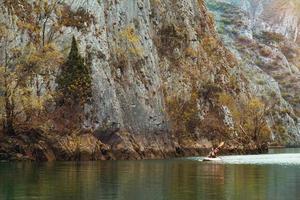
(172, 179)
(278, 159)
(284, 150)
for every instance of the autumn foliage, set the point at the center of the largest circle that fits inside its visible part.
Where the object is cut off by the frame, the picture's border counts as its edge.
(249, 117)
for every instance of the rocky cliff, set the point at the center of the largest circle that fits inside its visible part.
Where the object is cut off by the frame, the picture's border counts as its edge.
(163, 83)
(267, 46)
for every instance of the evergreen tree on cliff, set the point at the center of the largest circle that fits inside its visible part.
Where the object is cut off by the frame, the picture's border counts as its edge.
(74, 82)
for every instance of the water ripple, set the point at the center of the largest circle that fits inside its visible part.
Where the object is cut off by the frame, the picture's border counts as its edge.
(275, 159)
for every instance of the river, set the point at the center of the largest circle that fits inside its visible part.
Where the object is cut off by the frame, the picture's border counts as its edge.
(271, 176)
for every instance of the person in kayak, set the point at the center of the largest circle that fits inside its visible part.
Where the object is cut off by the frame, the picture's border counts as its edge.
(214, 151)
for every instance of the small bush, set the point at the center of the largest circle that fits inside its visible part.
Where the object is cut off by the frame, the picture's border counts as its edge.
(80, 18)
(270, 37)
(170, 37)
(244, 40)
(265, 52)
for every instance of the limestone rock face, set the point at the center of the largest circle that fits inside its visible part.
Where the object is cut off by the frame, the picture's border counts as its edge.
(157, 69)
(281, 16)
(268, 62)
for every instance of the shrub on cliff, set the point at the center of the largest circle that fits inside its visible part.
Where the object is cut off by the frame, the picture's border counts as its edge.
(74, 82)
(23, 72)
(249, 117)
(184, 113)
(270, 37)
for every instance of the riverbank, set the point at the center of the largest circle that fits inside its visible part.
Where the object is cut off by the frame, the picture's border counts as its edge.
(38, 146)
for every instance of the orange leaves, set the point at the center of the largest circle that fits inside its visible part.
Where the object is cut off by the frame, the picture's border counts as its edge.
(209, 43)
(190, 52)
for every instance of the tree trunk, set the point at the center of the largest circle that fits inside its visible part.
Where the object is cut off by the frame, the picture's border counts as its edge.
(9, 113)
(8, 127)
(9, 117)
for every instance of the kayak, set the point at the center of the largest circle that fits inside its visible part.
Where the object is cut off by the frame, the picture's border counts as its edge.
(217, 159)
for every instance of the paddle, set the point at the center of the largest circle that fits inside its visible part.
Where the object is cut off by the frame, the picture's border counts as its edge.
(220, 145)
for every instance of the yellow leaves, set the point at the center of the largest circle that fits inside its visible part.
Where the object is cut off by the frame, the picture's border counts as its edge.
(35, 103)
(254, 113)
(190, 52)
(133, 39)
(2, 70)
(136, 51)
(184, 112)
(8, 76)
(250, 115)
(34, 59)
(224, 99)
(3, 76)
(44, 7)
(28, 75)
(44, 59)
(157, 2)
(31, 102)
(59, 12)
(265, 132)
(16, 52)
(27, 26)
(256, 105)
(253, 106)
(130, 35)
(3, 31)
(39, 19)
(53, 54)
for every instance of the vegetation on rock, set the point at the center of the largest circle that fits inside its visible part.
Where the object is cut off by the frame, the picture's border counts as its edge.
(74, 82)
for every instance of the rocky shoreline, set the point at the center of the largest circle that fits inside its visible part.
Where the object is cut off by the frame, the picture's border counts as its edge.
(36, 146)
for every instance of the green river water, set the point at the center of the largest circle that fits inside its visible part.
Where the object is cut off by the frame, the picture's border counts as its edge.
(271, 176)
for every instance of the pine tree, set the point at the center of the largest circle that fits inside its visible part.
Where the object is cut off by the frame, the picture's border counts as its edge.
(75, 80)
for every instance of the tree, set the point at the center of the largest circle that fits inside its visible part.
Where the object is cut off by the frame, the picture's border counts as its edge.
(8, 79)
(40, 19)
(21, 68)
(253, 122)
(74, 92)
(249, 117)
(42, 24)
(74, 82)
(184, 113)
